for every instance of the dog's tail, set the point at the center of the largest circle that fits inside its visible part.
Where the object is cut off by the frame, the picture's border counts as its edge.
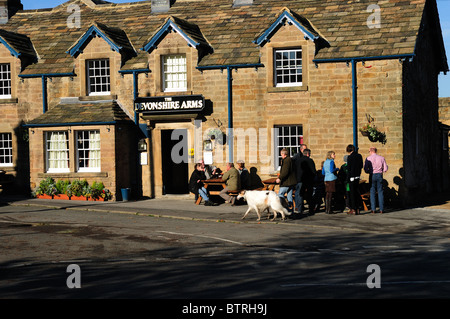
(278, 205)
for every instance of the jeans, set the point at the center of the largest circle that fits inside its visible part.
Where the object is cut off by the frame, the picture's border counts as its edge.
(203, 193)
(298, 197)
(286, 189)
(377, 186)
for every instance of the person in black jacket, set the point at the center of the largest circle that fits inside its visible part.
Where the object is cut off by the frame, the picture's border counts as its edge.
(305, 170)
(354, 167)
(196, 185)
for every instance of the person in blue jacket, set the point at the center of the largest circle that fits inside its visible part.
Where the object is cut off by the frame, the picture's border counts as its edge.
(329, 170)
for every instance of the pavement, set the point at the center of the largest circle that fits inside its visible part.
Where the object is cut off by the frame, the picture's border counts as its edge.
(431, 215)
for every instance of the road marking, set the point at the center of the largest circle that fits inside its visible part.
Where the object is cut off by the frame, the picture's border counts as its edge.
(203, 236)
(406, 282)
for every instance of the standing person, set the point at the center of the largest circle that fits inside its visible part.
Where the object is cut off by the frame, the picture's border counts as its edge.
(309, 172)
(342, 176)
(318, 189)
(329, 170)
(354, 166)
(287, 178)
(305, 170)
(196, 185)
(375, 165)
(232, 179)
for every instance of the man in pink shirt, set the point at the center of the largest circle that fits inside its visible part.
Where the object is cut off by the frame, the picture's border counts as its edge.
(375, 165)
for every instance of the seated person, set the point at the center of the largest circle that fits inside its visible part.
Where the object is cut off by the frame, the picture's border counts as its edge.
(196, 185)
(232, 179)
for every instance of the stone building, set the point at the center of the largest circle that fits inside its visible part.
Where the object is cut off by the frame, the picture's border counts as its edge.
(131, 94)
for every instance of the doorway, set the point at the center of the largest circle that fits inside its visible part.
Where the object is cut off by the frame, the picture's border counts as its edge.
(174, 155)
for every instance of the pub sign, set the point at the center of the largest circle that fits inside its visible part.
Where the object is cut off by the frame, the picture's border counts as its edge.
(169, 104)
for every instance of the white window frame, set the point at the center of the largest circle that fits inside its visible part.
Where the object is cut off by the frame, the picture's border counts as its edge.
(63, 150)
(289, 64)
(174, 72)
(289, 137)
(5, 80)
(91, 147)
(6, 155)
(101, 77)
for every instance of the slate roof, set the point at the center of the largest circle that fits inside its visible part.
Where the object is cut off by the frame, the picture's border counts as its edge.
(82, 113)
(230, 31)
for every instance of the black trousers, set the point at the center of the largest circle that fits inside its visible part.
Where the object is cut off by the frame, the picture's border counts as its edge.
(355, 195)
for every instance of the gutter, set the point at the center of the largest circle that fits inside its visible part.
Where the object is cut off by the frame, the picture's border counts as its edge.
(229, 68)
(70, 124)
(354, 62)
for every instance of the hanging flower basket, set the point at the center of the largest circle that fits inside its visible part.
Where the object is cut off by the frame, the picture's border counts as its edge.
(217, 135)
(374, 135)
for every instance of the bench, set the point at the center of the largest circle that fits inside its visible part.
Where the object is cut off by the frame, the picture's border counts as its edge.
(231, 193)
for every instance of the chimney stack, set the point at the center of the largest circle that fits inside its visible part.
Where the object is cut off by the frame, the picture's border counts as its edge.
(238, 3)
(159, 6)
(8, 8)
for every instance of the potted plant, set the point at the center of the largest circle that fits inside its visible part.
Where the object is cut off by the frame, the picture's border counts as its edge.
(61, 187)
(98, 192)
(217, 135)
(78, 190)
(46, 189)
(371, 131)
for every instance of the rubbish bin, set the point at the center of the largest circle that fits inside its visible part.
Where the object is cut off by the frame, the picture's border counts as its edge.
(125, 194)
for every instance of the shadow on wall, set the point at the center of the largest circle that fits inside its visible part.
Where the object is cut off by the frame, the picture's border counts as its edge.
(404, 197)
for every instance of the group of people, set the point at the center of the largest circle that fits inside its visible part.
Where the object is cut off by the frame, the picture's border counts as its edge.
(234, 178)
(299, 173)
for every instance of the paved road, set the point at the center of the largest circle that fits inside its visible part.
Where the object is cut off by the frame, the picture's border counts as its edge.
(192, 252)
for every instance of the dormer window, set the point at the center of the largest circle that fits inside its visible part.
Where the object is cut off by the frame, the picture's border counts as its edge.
(98, 77)
(288, 68)
(174, 73)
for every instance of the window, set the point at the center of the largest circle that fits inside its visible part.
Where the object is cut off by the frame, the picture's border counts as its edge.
(174, 73)
(288, 68)
(57, 149)
(98, 77)
(5, 81)
(289, 137)
(88, 150)
(6, 149)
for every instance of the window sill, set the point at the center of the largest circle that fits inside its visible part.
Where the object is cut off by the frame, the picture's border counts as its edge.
(98, 97)
(9, 100)
(287, 89)
(74, 175)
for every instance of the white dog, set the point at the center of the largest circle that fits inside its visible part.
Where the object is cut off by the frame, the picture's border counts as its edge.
(261, 200)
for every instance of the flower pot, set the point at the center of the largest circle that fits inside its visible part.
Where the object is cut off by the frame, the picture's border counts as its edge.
(44, 196)
(78, 198)
(100, 199)
(365, 133)
(61, 196)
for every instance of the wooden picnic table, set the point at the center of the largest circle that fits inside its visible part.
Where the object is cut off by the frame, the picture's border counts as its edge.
(269, 184)
(211, 182)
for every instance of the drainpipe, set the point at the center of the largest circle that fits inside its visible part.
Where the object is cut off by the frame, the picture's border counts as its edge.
(230, 138)
(355, 103)
(230, 115)
(44, 94)
(135, 74)
(354, 62)
(44, 84)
